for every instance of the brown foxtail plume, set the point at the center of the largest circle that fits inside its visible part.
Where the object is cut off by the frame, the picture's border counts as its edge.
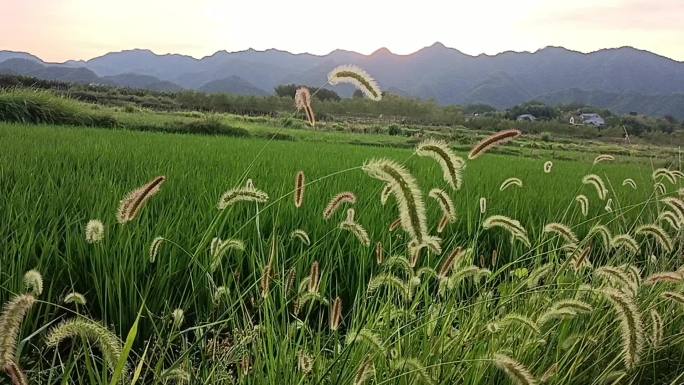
(336, 314)
(357, 77)
(303, 102)
(131, 205)
(337, 201)
(487, 143)
(299, 189)
(314, 278)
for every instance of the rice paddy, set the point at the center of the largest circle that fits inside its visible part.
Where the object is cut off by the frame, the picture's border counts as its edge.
(158, 258)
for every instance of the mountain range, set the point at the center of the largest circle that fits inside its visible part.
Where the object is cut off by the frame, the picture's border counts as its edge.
(620, 79)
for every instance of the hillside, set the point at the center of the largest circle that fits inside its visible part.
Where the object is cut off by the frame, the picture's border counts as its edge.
(435, 72)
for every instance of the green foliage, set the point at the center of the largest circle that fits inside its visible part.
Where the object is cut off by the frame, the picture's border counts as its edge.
(54, 179)
(24, 106)
(323, 94)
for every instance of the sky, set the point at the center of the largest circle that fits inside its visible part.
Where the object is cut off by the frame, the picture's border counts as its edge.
(58, 30)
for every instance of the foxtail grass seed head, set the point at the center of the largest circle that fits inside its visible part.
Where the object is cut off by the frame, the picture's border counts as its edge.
(305, 362)
(631, 327)
(562, 230)
(11, 318)
(489, 142)
(445, 203)
(548, 165)
(448, 263)
(538, 274)
(94, 231)
(265, 284)
(452, 165)
(155, 246)
(656, 328)
(33, 282)
(218, 248)
(442, 224)
(177, 317)
(379, 253)
(520, 320)
(673, 296)
(676, 205)
(365, 372)
(625, 242)
(131, 205)
(108, 343)
(336, 314)
(597, 182)
(511, 225)
(408, 196)
(367, 338)
(314, 278)
(355, 228)
(75, 298)
(385, 194)
(412, 366)
(515, 371)
(299, 189)
(603, 232)
(659, 234)
(671, 219)
(617, 277)
(220, 294)
(659, 188)
(664, 174)
(510, 182)
(609, 205)
(357, 77)
(302, 236)
(549, 374)
(241, 194)
(603, 158)
(583, 203)
(303, 102)
(337, 201)
(580, 258)
(390, 281)
(394, 225)
(630, 182)
(483, 205)
(302, 98)
(14, 372)
(674, 277)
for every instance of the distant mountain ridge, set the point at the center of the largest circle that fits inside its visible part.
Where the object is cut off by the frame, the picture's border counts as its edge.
(615, 78)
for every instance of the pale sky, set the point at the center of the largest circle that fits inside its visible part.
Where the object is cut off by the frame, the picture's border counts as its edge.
(57, 30)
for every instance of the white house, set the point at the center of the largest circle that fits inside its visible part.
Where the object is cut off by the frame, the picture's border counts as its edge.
(593, 119)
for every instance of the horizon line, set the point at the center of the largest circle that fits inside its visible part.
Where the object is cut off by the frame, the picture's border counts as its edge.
(376, 51)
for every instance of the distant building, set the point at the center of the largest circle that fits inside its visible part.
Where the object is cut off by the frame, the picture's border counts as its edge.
(526, 118)
(593, 119)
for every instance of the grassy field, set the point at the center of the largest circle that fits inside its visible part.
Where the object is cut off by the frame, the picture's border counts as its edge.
(54, 179)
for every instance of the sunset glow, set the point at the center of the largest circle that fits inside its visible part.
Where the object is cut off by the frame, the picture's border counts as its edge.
(57, 30)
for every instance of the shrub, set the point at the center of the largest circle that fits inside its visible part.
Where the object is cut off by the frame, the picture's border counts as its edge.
(30, 106)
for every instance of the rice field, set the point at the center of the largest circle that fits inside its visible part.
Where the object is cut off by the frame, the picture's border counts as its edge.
(226, 270)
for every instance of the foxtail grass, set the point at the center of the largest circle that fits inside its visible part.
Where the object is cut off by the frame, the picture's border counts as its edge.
(132, 203)
(491, 141)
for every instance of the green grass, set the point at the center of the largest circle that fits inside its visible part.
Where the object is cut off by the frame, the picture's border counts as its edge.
(54, 179)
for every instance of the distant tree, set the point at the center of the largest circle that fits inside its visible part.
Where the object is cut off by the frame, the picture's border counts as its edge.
(536, 108)
(288, 90)
(357, 94)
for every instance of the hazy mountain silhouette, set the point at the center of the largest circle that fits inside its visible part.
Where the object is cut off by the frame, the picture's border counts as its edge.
(554, 74)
